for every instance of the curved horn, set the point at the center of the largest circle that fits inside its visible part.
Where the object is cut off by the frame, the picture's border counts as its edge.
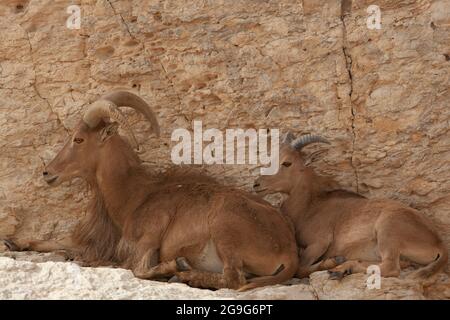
(96, 112)
(288, 137)
(128, 99)
(106, 109)
(303, 141)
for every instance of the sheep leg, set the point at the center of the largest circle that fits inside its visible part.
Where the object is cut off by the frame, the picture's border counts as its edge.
(388, 267)
(161, 270)
(232, 277)
(388, 248)
(328, 263)
(38, 245)
(405, 264)
(164, 269)
(308, 258)
(65, 244)
(349, 267)
(390, 262)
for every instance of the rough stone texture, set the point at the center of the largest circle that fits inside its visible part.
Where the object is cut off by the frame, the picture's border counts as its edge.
(355, 287)
(63, 280)
(382, 96)
(37, 276)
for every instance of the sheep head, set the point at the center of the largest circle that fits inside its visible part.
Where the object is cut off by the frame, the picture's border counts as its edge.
(292, 165)
(95, 138)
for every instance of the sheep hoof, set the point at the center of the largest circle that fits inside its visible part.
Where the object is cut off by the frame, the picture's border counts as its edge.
(11, 245)
(174, 279)
(340, 259)
(335, 275)
(182, 264)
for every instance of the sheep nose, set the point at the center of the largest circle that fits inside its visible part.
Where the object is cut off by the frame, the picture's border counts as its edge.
(45, 173)
(256, 185)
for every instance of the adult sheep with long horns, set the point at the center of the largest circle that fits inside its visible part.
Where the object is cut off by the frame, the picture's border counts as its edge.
(160, 225)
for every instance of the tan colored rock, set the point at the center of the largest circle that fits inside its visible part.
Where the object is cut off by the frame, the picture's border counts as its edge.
(355, 287)
(64, 280)
(28, 275)
(382, 96)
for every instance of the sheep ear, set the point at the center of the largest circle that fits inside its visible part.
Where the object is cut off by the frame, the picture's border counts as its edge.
(108, 131)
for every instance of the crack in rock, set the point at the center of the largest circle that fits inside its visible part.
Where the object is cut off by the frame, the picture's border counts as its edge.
(314, 291)
(146, 51)
(121, 18)
(345, 10)
(34, 85)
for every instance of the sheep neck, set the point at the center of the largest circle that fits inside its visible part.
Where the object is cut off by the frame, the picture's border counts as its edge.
(301, 196)
(120, 180)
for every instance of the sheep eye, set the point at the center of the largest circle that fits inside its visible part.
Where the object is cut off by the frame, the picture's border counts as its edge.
(78, 140)
(286, 164)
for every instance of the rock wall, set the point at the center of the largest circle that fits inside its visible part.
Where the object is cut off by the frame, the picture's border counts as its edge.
(381, 95)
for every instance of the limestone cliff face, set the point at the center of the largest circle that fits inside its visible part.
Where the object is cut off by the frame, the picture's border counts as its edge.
(381, 95)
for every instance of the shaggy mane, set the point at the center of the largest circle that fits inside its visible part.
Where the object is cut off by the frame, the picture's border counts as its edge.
(97, 234)
(100, 238)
